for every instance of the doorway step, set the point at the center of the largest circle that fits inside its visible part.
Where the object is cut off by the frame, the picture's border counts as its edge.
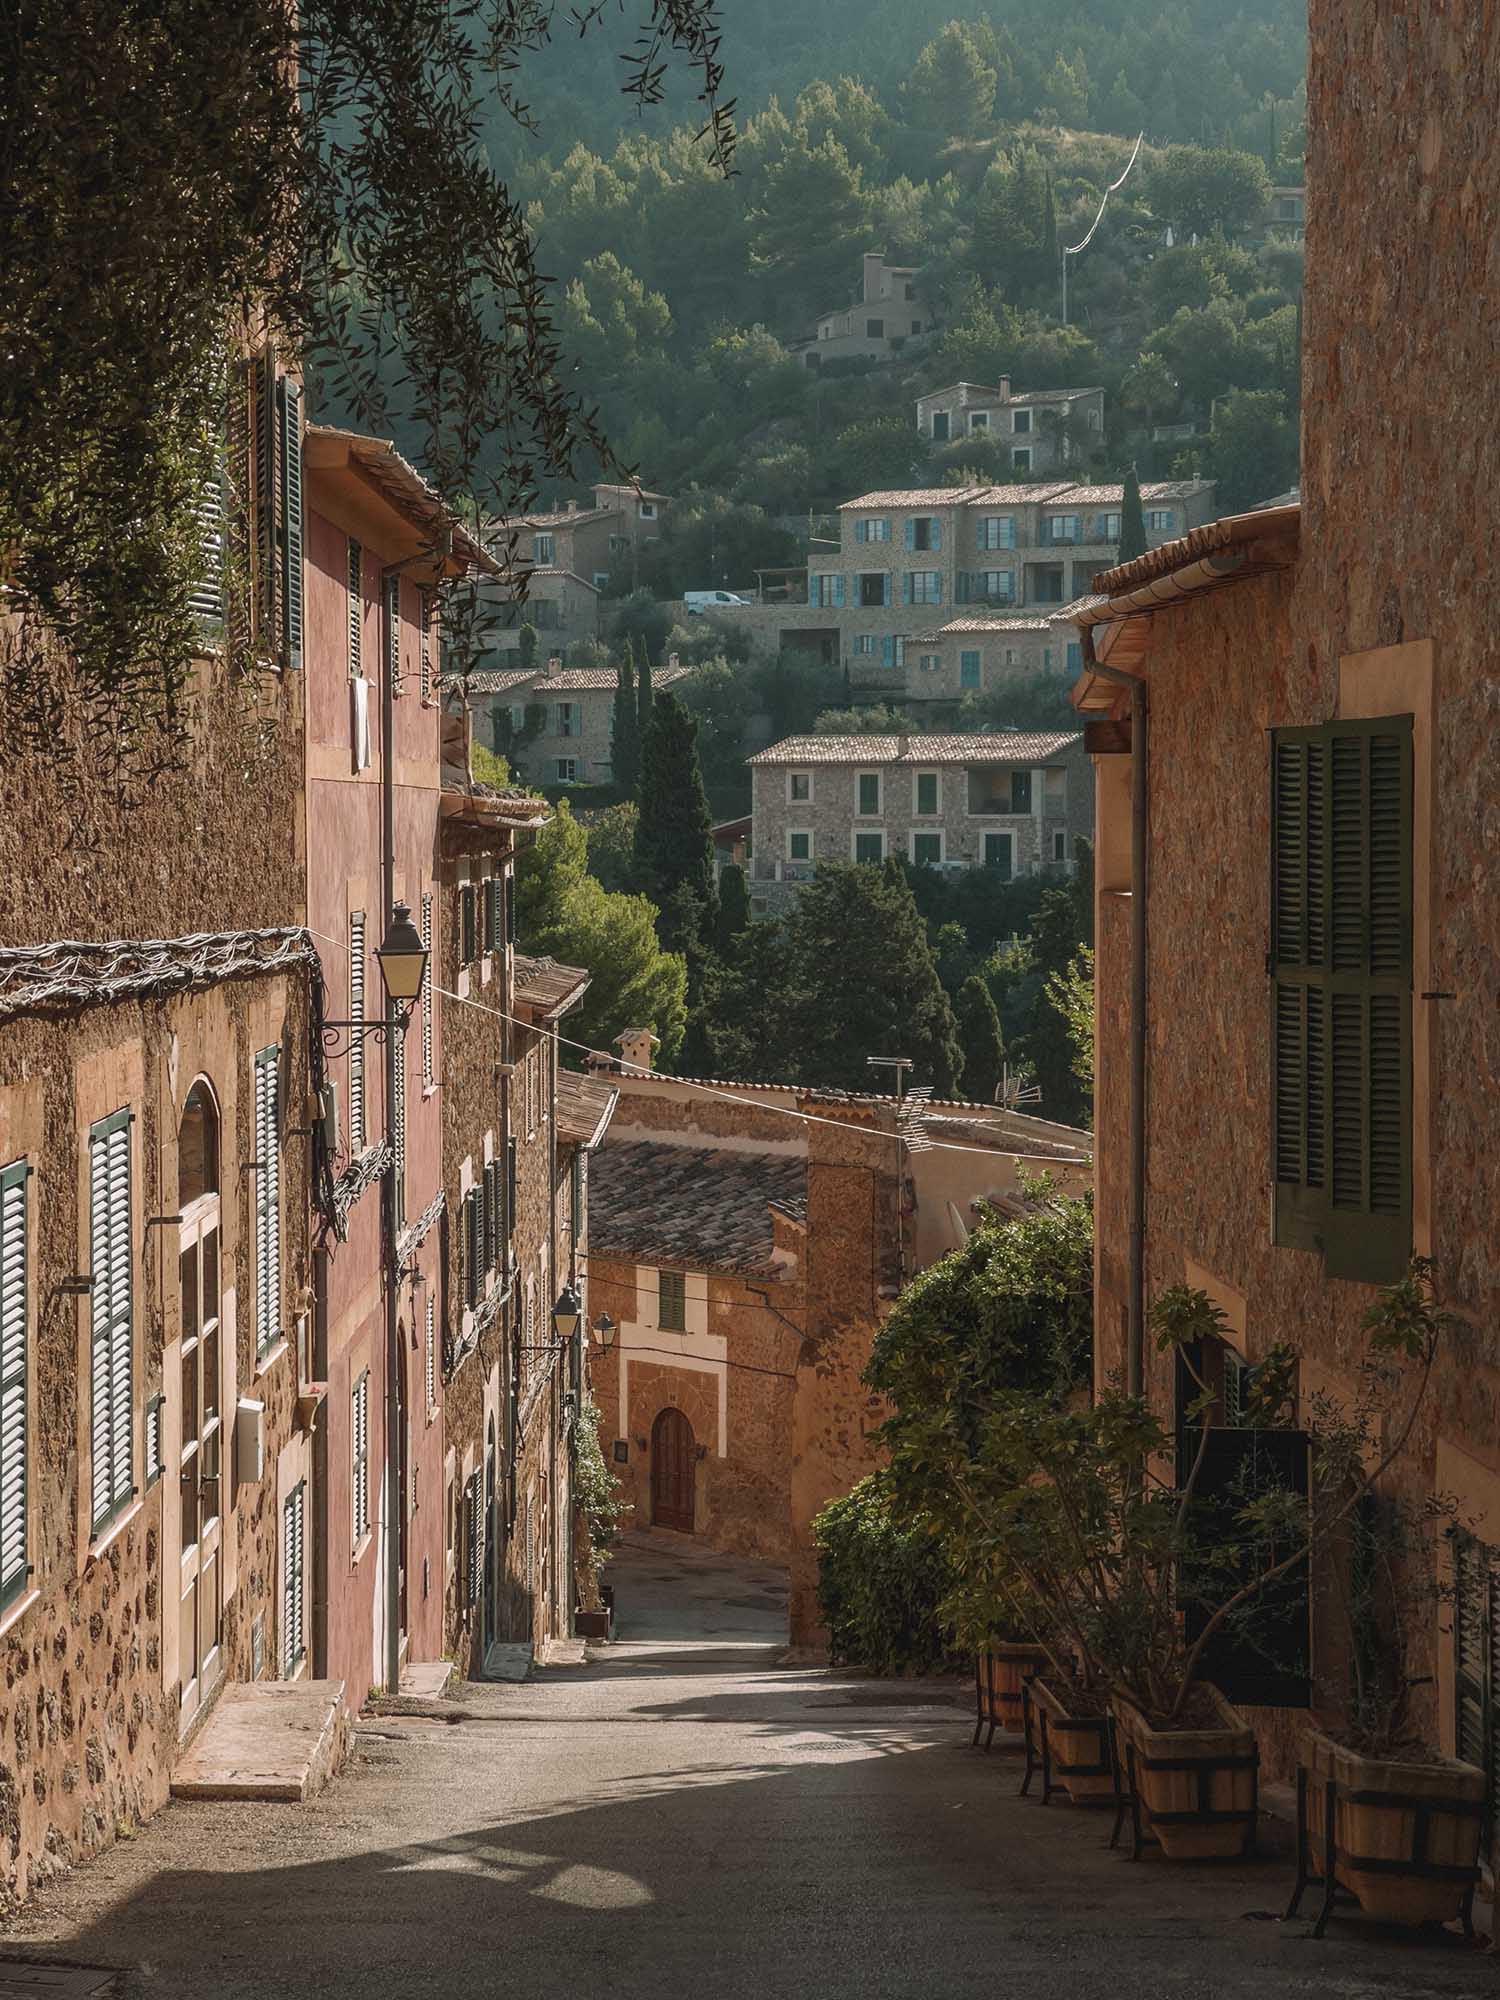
(267, 1740)
(507, 1662)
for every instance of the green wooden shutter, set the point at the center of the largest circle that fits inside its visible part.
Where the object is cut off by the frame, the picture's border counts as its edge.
(470, 946)
(510, 1189)
(398, 1129)
(1341, 964)
(473, 1244)
(14, 1429)
(474, 1535)
(289, 528)
(112, 1356)
(267, 1199)
(267, 581)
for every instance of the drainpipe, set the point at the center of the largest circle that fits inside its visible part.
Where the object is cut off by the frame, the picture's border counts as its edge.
(1135, 1336)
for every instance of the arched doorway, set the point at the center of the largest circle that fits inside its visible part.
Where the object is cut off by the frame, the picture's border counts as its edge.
(672, 1457)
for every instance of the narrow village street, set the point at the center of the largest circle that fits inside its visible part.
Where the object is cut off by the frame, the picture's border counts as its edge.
(689, 1817)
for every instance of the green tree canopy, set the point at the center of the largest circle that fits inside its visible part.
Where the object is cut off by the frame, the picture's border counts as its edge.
(952, 87)
(983, 1044)
(1200, 188)
(673, 851)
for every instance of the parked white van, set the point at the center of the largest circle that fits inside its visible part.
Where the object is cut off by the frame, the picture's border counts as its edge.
(699, 601)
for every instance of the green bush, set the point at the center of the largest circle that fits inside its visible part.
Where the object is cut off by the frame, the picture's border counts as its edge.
(880, 1582)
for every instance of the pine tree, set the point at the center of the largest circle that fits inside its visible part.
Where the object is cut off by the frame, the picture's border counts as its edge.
(1132, 520)
(983, 1044)
(624, 735)
(673, 847)
(643, 700)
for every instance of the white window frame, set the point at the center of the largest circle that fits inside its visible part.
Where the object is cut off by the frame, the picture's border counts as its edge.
(859, 778)
(926, 586)
(544, 548)
(800, 833)
(930, 663)
(916, 793)
(1020, 458)
(979, 422)
(937, 833)
(791, 798)
(992, 538)
(859, 833)
(567, 715)
(1020, 428)
(648, 510)
(1055, 525)
(566, 769)
(864, 642)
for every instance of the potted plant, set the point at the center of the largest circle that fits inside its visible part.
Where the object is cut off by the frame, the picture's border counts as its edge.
(1383, 1816)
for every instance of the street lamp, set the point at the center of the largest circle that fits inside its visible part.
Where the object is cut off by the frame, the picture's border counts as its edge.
(403, 966)
(566, 1314)
(604, 1332)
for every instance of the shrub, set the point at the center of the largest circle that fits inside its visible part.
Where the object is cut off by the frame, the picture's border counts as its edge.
(880, 1582)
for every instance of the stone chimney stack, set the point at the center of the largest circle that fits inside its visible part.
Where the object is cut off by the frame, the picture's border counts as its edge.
(554, 666)
(671, 659)
(635, 1046)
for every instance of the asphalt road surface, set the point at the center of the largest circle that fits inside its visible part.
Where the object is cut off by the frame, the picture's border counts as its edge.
(687, 1817)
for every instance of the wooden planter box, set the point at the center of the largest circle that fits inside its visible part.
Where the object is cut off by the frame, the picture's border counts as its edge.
(1000, 1675)
(1075, 1753)
(1193, 1791)
(591, 1624)
(1401, 1838)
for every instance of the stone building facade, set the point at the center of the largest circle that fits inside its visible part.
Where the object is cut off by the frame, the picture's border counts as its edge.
(1017, 803)
(887, 311)
(1358, 626)
(555, 725)
(1043, 428)
(570, 555)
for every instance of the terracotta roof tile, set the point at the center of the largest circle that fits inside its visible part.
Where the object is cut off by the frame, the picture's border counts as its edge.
(680, 1205)
(547, 986)
(1028, 747)
(585, 1105)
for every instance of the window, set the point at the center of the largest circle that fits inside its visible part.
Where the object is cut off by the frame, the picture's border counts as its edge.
(999, 849)
(909, 291)
(1055, 789)
(566, 770)
(648, 510)
(428, 1077)
(799, 846)
(927, 849)
(1059, 846)
(671, 1302)
(356, 610)
(869, 794)
(1061, 528)
(1020, 791)
(267, 1199)
(1020, 458)
(111, 1346)
(979, 423)
(473, 1537)
(424, 619)
(1160, 520)
(872, 588)
(924, 586)
(798, 787)
(997, 531)
(1047, 583)
(930, 663)
(927, 794)
(968, 670)
(924, 531)
(543, 550)
(1109, 528)
(864, 642)
(872, 528)
(468, 926)
(999, 585)
(14, 1424)
(567, 718)
(1341, 959)
(360, 1459)
(430, 1352)
(874, 329)
(473, 1246)
(494, 1228)
(293, 1580)
(1020, 422)
(941, 426)
(289, 525)
(825, 589)
(1012, 657)
(200, 1379)
(601, 579)
(356, 1039)
(869, 847)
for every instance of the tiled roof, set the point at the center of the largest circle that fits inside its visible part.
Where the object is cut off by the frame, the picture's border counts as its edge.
(547, 571)
(993, 625)
(493, 680)
(1021, 495)
(507, 680)
(546, 986)
(559, 519)
(585, 1105)
(679, 1205)
(1023, 747)
(1052, 395)
(635, 492)
(1157, 489)
(915, 496)
(1069, 614)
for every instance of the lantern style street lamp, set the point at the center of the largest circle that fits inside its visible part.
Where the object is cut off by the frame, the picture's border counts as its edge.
(604, 1332)
(566, 1314)
(402, 957)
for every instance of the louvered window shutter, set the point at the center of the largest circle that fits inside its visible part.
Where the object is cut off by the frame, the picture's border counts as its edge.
(473, 1229)
(267, 458)
(393, 632)
(290, 524)
(470, 943)
(431, 1332)
(267, 1199)
(398, 1128)
(356, 610)
(1341, 963)
(510, 909)
(475, 1537)
(427, 1051)
(908, 588)
(112, 1357)
(909, 533)
(293, 1559)
(491, 1214)
(206, 594)
(357, 1040)
(510, 1190)
(937, 532)
(360, 1509)
(425, 614)
(14, 1429)
(861, 531)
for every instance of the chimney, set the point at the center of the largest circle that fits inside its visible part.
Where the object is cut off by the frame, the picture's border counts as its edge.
(554, 666)
(635, 1046)
(903, 746)
(671, 659)
(874, 275)
(1004, 388)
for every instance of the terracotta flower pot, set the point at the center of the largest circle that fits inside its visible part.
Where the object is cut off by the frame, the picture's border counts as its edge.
(1196, 1790)
(1378, 1803)
(1076, 1752)
(1000, 1674)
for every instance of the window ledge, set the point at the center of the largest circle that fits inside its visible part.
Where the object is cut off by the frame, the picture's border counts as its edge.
(14, 1613)
(114, 1530)
(266, 1362)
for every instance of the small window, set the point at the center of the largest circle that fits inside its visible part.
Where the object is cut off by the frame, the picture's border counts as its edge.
(864, 642)
(924, 586)
(1160, 521)
(1020, 459)
(1020, 422)
(567, 718)
(1059, 846)
(924, 532)
(927, 849)
(874, 329)
(940, 426)
(998, 850)
(799, 787)
(1109, 530)
(930, 663)
(1020, 791)
(671, 1308)
(927, 793)
(543, 550)
(198, 1146)
(869, 847)
(799, 847)
(968, 670)
(648, 510)
(979, 422)
(601, 579)
(566, 770)
(869, 794)
(916, 326)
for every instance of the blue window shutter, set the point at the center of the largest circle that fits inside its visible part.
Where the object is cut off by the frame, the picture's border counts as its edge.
(1075, 657)
(860, 534)
(937, 532)
(908, 589)
(838, 590)
(962, 586)
(885, 588)
(937, 586)
(888, 650)
(910, 534)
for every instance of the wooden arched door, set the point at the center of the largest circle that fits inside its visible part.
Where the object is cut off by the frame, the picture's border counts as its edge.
(672, 1457)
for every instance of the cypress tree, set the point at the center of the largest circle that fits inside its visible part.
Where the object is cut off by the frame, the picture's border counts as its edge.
(624, 735)
(983, 1044)
(673, 848)
(1132, 520)
(643, 699)
(734, 907)
(527, 645)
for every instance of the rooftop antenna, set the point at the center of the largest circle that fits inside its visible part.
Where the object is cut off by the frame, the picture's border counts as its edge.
(1104, 204)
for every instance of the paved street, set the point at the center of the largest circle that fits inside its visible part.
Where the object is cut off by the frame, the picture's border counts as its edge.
(689, 1818)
